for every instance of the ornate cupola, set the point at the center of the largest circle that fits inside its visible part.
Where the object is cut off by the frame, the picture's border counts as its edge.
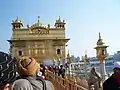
(101, 49)
(17, 24)
(59, 23)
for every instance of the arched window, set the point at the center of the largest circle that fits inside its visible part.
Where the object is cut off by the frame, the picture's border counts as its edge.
(20, 53)
(103, 52)
(58, 51)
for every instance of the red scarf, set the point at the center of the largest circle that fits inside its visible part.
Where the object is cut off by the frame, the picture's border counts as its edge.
(117, 79)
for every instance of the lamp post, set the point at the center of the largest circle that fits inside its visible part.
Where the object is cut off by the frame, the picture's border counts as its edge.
(101, 53)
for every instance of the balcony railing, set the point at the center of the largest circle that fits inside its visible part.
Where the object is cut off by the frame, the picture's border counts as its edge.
(67, 83)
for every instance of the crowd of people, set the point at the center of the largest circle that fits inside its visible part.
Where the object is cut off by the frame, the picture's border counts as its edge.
(27, 74)
(95, 81)
(57, 70)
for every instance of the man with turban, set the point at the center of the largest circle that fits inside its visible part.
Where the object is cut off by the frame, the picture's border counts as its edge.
(27, 68)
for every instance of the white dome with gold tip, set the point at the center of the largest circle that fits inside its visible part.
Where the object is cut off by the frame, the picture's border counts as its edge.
(17, 21)
(38, 25)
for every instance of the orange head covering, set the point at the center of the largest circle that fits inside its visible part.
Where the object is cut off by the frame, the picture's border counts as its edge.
(27, 66)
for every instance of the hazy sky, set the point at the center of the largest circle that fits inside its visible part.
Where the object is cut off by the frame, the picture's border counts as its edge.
(84, 20)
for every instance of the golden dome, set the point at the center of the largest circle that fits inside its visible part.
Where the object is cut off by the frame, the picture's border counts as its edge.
(38, 25)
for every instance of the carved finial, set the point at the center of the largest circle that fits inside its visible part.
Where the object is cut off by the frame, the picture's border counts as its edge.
(100, 41)
(99, 36)
(17, 18)
(59, 18)
(38, 19)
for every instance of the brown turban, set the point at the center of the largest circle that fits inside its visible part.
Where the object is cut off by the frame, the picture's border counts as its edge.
(27, 66)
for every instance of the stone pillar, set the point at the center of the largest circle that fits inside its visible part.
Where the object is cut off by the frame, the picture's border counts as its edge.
(103, 71)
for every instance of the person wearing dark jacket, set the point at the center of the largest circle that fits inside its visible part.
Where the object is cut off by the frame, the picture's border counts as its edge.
(113, 83)
(7, 71)
(61, 71)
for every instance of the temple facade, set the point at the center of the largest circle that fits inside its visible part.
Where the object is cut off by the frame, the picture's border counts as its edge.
(40, 41)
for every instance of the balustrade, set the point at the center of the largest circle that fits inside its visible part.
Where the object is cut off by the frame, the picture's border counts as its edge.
(66, 83)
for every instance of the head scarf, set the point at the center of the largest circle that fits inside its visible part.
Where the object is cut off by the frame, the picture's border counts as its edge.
(7, 69)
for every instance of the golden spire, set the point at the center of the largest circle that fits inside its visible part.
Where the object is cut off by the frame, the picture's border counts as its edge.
(100, 41)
